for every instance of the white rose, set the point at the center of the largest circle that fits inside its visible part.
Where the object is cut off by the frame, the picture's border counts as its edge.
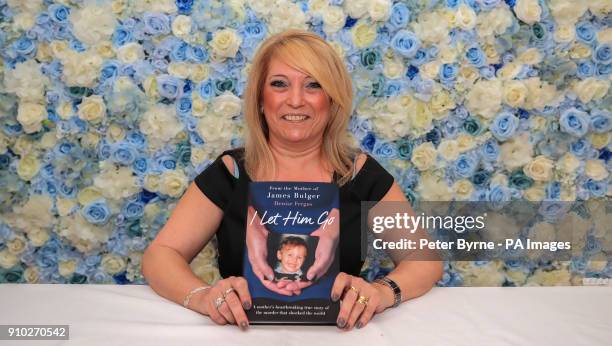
(449, 149)
(93, 24)
(7, 259)
(539, 94)
(424, 156)
(129, 53)
(604, 36)
(26, 81)
(181, 26)
(432, 27)
(30, 275)
(516, 152)
(379, 10)
(356, 8)
(225, 43)
(66, 268)
(173, 183)
(515, 93)
(92, 109)
(463, 189)
(600, 8)
(30, 116)
(163, 6)
(465, 17)
(567, 11)
(394, 68)
(81, 69)
(596, 170)
(28, 167)
(530, 56)
(16, 245)
(539, 169)
(116, 183)
(263, 7)
(333, 19)
(113, 264)
(27, 6)
(81, 234)
(38, 236)
(509, 71)
(485, 98)
(160, 124)
(198, 106)
(528, 11)
(65, 206)
(227, 105)
(565, 33)
(494, 22)
(568, 163)
(363, 34)
(431, 69)
(591, 89)
(535, 193)
(433, 188)
(179, 69)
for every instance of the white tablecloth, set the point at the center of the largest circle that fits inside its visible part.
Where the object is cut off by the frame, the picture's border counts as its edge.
(136, 315)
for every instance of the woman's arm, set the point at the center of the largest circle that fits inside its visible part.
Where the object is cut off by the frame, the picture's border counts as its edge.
(165, 263)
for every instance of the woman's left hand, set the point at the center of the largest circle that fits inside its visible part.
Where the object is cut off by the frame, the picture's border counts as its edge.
(359, 300)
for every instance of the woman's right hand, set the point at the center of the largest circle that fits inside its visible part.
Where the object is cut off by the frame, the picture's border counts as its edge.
(225, 302)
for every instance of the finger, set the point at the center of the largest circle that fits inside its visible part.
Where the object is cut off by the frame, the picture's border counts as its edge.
(348, 304)
(242, 290)
(261, 269)
(272, 287)
(368, 313)
(237, 310)
(225, 311)
(303, 284)
(340, 284)
(356, 312)
(282, 283)
(214, 314)
(320, 266)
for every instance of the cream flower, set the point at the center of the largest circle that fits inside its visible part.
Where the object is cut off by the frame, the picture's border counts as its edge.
(27, 82)
(539, 169)
(16, 245)
(530, 56)
(449, 149)
(424, 156)
(113, 264)
(591, 89)
(393, 68)
(485, 98)
(364, 34)
(81, 234)
(80, 69)
(596, 169)
(465, 17)
(30, 116)
(38, 237)
(227, 105)
(92, 109)
(179, 69)
(432, 27)
(93, 24)
(35, 213)
(65, 206)
(116, 183)
(565, 33)
(333, 19)
(516, 152)
(535, 193)
(356, 8)
(515, 93)
(28, 167)
(540, 94)
(129, 53)
(225, 43)
(433, 188)
(181, 26)
(173, 183)
(30, 275)
(463, 189)
(66, 268)
(494, 22)
(160, 124)
(567, 11)
(379, 10)
(528, 11)
(7, 259)
(568, 163)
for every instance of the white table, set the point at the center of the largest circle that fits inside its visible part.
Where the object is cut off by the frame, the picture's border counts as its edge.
(136, 315)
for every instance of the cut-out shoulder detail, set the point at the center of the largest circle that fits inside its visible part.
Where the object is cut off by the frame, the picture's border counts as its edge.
(230, 164)
(359, 162)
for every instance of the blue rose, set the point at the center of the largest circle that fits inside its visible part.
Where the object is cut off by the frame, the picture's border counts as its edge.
(96, 212)
(584, 69)
(580, 147)
(553, 190)
(179, 51)
(140, 165)
(109, 71)
(585, 32)
(490, 150)
(169, 87)
(123, 154)
(24, 46)
(504, 126)
(368, 142)
(104, 150)
(601, 121)
(487, 72)
(183, 107)
(156, 23)
(184, 6)
(553, 210)
(475, 56)
(472, 126)
(133, 209)
(59, 13)
(465, 165)
(489, 4)
(450, 127)
(453, 4)
(597, 188)
(574, 122)
(399, 17)
(196, 54)
(603, 70)
(420, 57)
(385, 150)
(121, 36)
(67, 191)
(481, 178)
(448, 73)
(254, 30)
(405, 43)
(160, 64)
(603, 54)
(166, 163)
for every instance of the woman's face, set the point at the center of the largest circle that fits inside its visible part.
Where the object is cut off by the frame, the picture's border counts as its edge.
(295, 106)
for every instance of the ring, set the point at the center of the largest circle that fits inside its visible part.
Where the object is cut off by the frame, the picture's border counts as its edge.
(228, 291)
(218, 302)
(353, 288)
(363, 300)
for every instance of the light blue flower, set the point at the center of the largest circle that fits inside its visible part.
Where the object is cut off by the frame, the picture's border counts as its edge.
(597, 188)
(504, 126)
(475, 56)
(465, 165)
(24, 46)
(490, 150)
(489, 4)
(123, 154)
(448, 73)
(196, 54)
(156, 23)
(385, 150)
(603, 54)
(585, 69)
(574, 122)
(169, 86)
(399, 17)
(133, 209)
(585, 32)
(405, 43)
(601, 121)
(96, 212)
(58, 13)
(122, 36)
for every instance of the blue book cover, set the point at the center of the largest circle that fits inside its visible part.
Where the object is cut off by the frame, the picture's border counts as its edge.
(292, 230)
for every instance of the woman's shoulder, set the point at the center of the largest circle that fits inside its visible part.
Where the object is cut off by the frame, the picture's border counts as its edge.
(371, 180)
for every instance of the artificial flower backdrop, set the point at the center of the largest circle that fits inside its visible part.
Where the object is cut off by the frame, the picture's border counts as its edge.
(109, 109)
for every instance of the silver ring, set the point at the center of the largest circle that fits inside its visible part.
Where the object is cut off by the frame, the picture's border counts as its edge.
(228, 291)
(218, 302)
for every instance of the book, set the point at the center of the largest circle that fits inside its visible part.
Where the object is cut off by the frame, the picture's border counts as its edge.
(285, 222)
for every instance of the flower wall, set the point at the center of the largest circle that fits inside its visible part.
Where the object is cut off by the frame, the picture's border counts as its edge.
(109, 109)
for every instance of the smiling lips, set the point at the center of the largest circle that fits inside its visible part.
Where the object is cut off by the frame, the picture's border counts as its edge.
(295, 117)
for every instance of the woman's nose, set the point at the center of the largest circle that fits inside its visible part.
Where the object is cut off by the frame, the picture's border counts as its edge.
(296, 97)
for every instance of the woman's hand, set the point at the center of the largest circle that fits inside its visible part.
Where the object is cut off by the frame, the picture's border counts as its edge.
(326, 247)
(225, 302)
(359, 300)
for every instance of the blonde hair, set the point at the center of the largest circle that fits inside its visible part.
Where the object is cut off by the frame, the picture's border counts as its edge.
(309, 53)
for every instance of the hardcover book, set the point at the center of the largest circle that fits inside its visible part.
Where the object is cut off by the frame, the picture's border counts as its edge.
(292, 230)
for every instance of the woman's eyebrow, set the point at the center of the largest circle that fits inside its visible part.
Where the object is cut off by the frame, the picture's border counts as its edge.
(278, 75)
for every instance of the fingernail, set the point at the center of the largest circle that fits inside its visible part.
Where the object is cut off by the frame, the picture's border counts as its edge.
(358, 325)
(243, 325)
(341, 322)
(246, 305)
(335, 297)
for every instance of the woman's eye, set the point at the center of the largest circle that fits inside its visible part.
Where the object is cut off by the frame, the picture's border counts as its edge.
(314, 85)
(278, 83)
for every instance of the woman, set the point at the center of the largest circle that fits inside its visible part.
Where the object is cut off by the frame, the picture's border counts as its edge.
(298, 102)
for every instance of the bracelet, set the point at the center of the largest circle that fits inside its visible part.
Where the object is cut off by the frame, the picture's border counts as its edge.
(192, 292)
(397, 293)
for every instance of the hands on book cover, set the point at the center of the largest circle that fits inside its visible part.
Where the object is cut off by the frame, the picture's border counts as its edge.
(292, 255)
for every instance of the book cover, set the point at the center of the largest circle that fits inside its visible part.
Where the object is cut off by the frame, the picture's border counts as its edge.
(290, 230)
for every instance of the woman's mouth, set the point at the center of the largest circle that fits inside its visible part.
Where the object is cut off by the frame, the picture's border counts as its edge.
(295, 117)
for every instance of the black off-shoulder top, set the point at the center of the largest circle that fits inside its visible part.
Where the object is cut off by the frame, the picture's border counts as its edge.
(229, 193)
